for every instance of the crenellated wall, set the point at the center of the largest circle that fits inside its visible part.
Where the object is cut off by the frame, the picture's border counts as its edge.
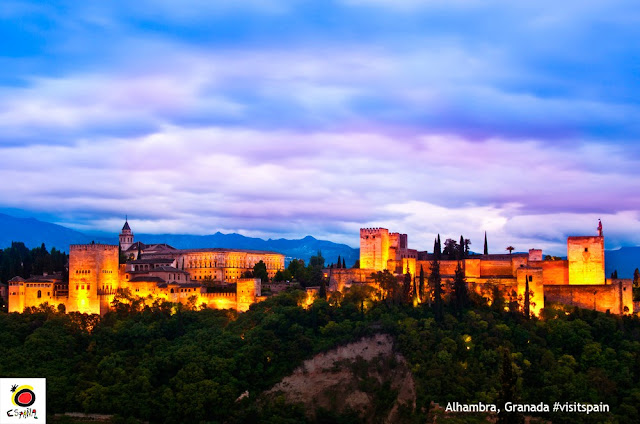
(374, 248)
(247, 290)
(91, 267)
(616, 298)
(95, 276)
(341, 278)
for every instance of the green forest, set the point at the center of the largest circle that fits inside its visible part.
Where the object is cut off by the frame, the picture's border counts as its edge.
(165, 363)
(19, 260)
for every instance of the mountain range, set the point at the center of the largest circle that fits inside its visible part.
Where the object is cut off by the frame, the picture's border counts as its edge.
(34, 232)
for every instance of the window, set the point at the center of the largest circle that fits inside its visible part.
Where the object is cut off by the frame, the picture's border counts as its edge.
(586, 249)
(39, 294)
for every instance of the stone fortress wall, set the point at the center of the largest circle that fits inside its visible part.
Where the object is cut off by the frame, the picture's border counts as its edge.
(576, 281)
(175, 275)
(95, 276)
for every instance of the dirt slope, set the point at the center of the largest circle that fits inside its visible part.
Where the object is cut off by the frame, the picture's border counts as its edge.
(366, 377)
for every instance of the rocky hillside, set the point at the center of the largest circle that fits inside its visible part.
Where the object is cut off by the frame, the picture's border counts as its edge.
(366, 378)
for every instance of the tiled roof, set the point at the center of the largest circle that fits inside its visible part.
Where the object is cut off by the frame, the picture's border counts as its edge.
(147, 279)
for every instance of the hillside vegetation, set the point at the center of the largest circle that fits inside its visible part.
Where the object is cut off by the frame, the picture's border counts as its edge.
(168, 364)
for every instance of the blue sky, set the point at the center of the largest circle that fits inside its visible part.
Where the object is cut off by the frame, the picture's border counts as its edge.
(286, 118)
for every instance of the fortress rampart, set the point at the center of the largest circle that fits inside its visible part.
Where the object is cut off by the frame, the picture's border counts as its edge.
(572, 281)
(616, 298)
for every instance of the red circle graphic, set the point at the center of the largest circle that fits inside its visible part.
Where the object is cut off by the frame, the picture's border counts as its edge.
(24, 398)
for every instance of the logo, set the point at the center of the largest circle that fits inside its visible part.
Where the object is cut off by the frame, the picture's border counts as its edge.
(23, 400)
(23, 395)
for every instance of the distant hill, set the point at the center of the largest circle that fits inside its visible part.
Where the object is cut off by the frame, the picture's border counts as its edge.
(302, 248)
(34, 232)
(625, 260)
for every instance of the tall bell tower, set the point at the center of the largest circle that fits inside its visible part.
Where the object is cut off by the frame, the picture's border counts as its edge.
(126, 236)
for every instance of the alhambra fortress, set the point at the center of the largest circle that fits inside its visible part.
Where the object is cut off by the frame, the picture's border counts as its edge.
(152, 271)
(159, 271)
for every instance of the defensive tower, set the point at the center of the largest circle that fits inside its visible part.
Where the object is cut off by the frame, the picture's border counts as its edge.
(374, 248)
(92, 267)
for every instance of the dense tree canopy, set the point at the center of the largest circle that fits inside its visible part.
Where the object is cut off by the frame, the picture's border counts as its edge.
(165, 363)
(18, 260)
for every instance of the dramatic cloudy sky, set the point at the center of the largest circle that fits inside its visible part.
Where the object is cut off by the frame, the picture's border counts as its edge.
(282, 118)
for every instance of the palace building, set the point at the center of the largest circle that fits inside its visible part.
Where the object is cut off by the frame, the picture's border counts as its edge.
(212, 276)
(578, 281)
(215, 276)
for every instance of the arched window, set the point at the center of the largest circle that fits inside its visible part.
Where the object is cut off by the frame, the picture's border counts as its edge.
(171, 290)
(39, 294)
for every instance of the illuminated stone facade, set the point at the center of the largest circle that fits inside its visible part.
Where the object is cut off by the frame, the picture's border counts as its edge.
(380, 250)
(161, 273)
(225, 264)
(586, 260)
(34, 291)
(374, 248)
(578, 281)
(92, 268)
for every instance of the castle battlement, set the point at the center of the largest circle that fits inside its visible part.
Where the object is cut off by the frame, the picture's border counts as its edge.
(374, 231)
(93, 246)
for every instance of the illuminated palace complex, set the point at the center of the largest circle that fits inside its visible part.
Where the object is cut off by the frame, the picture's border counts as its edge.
(579, 280)
(179, 275)
(151, 271)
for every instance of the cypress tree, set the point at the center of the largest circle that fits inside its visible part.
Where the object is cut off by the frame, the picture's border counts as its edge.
(339, 263)
(437, 248)
(416, 295)
(322, 293)
(460, 289)
(344, 265)
(527, 305)
(406, 288)
(636, 277)
(461, 248)
(435, 281)
(421, 287)
(486, 247)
